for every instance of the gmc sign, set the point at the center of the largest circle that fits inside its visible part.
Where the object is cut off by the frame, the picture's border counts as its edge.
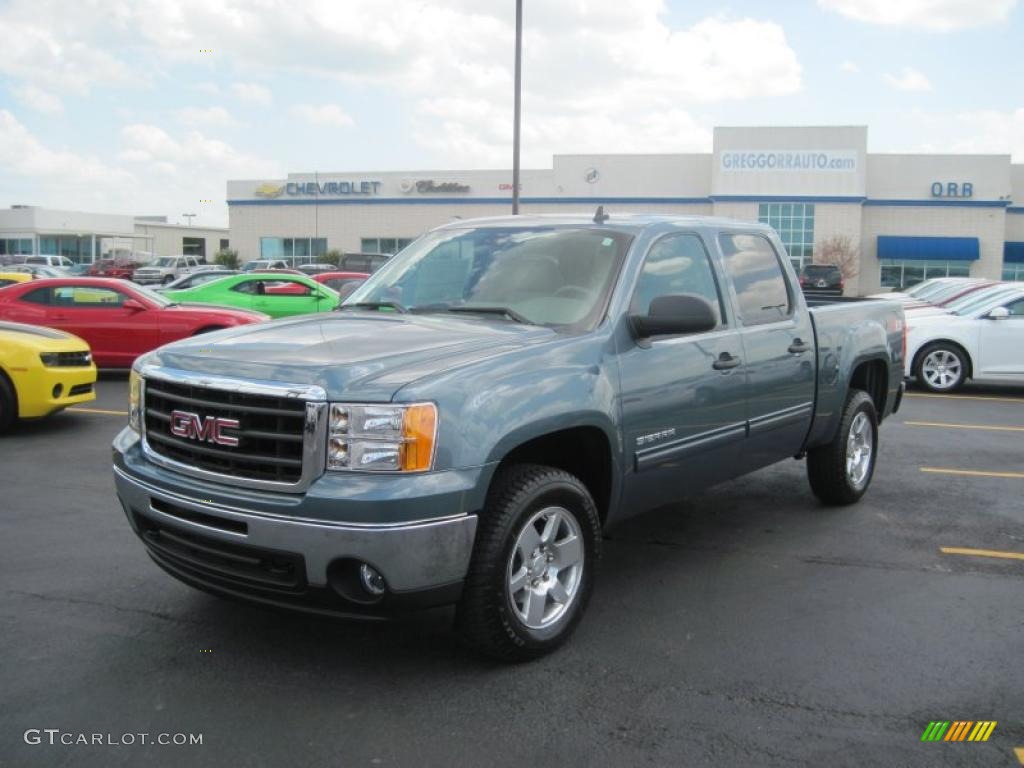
(192, 426)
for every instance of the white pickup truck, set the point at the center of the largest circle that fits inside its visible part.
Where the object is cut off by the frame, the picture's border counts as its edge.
(165, 269)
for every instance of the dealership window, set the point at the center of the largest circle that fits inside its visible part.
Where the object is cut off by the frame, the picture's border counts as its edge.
(78, 249)
(224, 244)
(16, 246)
(383, 244)
(795, 224)
(298, 250)
(1013, 272)
(899, 274)
(194, 246)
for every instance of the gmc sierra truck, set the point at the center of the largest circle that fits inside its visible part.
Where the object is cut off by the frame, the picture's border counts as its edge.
(474, 416)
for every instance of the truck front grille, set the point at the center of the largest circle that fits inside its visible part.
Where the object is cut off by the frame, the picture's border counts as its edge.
(270, 432)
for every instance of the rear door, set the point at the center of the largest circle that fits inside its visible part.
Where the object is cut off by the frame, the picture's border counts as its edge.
(1001, 345)
(778, 348)
(682, 397)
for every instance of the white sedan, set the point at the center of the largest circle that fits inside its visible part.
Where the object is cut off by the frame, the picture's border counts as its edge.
(983, 340)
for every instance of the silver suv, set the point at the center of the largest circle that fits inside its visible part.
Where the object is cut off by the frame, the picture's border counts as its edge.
(164, 269)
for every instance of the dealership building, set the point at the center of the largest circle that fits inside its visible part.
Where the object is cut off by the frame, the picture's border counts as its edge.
(28, 230)
(905, 216)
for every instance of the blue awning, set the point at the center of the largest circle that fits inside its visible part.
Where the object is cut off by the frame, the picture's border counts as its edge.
(1013, 253)
(928, 248)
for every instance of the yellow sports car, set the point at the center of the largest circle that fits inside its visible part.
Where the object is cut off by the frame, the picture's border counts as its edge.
(9, 278)
(42, 370)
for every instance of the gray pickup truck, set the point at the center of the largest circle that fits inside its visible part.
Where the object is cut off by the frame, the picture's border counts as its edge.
(473, 417)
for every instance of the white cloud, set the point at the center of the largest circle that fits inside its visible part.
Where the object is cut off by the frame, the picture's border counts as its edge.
(849, 66)
(990, 131)
(210, 89)
(38, 99)
(908, 80)
(323, 114)
(934, 15)
(252, 93)
(155, 171)
(598, 62)
(213, 116)
(76, 176)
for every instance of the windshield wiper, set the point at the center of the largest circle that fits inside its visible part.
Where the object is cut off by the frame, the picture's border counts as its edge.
(374, 305)
(511, 314)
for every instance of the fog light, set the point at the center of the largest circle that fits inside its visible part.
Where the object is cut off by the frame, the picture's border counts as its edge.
(372, 580)
(57, 389)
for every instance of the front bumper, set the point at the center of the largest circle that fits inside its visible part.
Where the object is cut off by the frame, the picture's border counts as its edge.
(235, 542)
(36, 387)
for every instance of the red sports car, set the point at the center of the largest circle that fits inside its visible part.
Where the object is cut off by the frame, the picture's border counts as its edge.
(342, 282)
(119, 320)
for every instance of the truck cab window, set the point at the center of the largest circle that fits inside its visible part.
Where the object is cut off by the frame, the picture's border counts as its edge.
(676, 265)
(762, 294)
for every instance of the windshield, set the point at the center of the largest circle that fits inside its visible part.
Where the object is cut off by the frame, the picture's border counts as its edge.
(164, 261)
(973, 302)
(249, 267)
(546, 275)
(156, 298)
(820, 270)
(921, 290)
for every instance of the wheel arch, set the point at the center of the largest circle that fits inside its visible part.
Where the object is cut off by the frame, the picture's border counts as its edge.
(871, 375)
(583, 450)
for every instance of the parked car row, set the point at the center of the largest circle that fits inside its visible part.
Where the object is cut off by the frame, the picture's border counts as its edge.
(961, 329)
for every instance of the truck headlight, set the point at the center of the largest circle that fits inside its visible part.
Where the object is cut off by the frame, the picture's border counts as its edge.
(381, 438)
(134, 401)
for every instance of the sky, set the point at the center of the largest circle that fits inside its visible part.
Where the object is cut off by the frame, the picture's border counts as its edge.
(149, 107)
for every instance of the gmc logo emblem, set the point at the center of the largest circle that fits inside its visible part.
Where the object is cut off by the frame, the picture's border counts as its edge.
(192, 426)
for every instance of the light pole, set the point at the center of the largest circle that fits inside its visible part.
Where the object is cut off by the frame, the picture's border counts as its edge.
(517, 109)
(189, 216)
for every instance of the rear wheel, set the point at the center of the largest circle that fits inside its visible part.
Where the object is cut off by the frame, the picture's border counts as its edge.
(8, 404)
(537, 547)
(841, 471)
(941, 367)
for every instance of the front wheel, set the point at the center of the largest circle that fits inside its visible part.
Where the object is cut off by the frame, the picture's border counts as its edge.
(841, 470)
(8, 404)
(941, 367)
(537, 546)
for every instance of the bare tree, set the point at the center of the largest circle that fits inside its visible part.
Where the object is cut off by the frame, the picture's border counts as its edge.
(839, 251)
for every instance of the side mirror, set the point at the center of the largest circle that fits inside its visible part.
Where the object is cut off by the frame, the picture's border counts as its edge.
(675, 316)
(999, 313)
(134, 305)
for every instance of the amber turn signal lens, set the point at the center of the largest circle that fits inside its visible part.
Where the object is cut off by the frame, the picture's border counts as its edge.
(419, 431)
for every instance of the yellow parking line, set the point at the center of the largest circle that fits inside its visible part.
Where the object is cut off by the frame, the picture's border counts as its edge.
(981, 553)
(973, 473)
(100, 411)
(962, 426)
(968, 397)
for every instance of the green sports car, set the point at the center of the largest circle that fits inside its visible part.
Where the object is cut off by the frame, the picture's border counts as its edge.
(276, 294)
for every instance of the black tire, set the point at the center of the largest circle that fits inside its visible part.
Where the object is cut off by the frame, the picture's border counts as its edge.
(827, 466)
(167, 279)
(487, 616)
(956, 360)
(8, 404)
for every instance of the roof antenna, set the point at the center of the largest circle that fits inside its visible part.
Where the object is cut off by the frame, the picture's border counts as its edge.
(600, 217)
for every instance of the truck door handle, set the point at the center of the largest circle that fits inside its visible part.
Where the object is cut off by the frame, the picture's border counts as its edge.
(798, 346)
(725, 361)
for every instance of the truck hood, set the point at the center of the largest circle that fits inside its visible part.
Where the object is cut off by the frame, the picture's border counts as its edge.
(353, 355)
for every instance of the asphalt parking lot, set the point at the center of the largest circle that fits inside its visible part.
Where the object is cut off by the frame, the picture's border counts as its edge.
(748, 626)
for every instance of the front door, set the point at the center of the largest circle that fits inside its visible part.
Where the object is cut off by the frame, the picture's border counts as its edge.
(778, 349)
(683, 397)
(1001, 345)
